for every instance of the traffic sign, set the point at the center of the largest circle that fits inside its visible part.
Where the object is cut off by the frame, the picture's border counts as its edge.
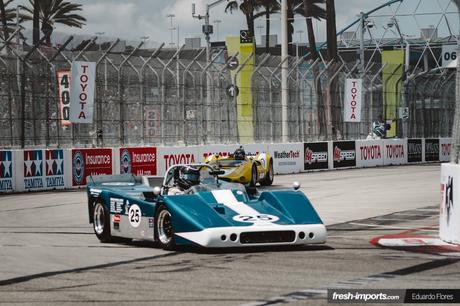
(245, 37)
(232, 91)
(233, 64)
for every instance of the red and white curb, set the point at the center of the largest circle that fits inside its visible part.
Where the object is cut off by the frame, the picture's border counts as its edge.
(423, 240)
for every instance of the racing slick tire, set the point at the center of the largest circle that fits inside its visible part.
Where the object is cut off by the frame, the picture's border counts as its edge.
(101, 222)
(268, 180)
(163, 231)
(254, 178)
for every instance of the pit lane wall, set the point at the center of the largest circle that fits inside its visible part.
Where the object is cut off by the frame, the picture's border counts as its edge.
(49, 169)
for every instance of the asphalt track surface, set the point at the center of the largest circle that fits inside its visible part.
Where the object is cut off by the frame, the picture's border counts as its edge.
(50, 256)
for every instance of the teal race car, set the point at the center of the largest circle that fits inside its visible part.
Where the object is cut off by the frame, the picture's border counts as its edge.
(190, 206)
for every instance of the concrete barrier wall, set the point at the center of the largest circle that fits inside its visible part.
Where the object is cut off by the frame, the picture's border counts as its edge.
(449, 217)
(40, 169)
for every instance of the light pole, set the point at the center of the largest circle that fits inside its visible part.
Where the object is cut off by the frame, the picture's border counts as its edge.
(217, 21)
(260, 27)
(284, 72)
(99, 34)
(171, 28)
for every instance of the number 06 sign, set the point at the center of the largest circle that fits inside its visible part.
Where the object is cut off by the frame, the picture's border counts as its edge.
(449, 56)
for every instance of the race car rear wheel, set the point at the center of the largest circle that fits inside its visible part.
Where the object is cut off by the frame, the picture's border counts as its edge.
(101, 222)
(268, 180)
(253, 181)
(164, 232)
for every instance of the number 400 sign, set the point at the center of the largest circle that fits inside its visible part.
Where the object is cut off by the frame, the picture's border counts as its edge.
(64, 95)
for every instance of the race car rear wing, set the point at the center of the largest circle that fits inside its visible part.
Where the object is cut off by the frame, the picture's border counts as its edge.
(118, 178)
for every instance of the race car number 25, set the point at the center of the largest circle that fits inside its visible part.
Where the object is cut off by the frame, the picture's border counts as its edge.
(134, 215)
(256, 218)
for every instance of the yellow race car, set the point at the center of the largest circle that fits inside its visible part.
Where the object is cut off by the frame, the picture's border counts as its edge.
(247, 170)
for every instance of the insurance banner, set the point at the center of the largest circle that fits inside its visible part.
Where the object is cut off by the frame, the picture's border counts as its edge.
(352, 100)
(90, 162)
(63, 77)
(138, 161)
(83, 80)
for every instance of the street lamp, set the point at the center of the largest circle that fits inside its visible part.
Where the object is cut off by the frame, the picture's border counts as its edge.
(99, 34)
(217, 21)
(171, 28)
(144, 39)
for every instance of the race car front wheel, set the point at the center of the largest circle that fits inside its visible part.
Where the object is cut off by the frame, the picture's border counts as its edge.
(268, 180)
(253, 181)
(164, 232)
(101, 222)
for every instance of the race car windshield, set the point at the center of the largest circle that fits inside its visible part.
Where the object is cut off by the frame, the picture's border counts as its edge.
(230, 163)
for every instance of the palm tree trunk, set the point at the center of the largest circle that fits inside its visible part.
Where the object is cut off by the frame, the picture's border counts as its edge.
(36, 22)
(3, 17)
(267, 28)
(331, 30)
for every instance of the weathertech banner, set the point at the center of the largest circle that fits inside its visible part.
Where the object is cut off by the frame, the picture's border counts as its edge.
(315, 156)
(138, 161)
(64, 95)
(82, 85)
(352, 100)
(414, 150)
(344, 154)
(287, 157)
(90, 162)
(6, 171)
(432, 149)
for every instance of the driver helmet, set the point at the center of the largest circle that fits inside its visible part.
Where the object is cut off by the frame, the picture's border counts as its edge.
(188, 177)
(239, 154)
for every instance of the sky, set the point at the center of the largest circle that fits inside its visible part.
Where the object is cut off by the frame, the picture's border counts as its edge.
(133, 19)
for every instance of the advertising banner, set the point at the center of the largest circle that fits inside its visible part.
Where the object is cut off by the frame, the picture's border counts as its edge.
(90, 162)
(63, 77)
(138, 161)
(445, 145)
(391, 75)
(33, 170)
(82, 85)
(449, 217)
(352, 100)
(168, 156)
(432, 149)
(54, 169)
(414, 150)
(344, 153)
(287, 158)
(369, 153)
(6, 171)
(316, 156)
(395, 151)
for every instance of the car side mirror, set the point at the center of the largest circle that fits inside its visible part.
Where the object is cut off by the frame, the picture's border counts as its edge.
(217, 172)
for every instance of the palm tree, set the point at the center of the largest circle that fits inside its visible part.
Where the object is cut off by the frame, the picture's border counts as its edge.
(248, 7)
(56, 11)
(331, 30)
(36, 23)
(7, 17)
(270, 7)
(313, 10)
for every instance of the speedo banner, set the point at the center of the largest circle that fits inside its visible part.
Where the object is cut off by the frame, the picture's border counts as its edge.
(316, 156)
(414, 150)
(344, 153)
(90, 162)
(432, 149)
(138, 161)
(391, 75)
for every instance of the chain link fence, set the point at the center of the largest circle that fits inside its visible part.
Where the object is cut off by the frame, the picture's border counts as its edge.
(176, 97)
